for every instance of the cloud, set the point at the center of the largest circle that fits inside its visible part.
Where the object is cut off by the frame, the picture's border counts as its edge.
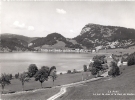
(61, 11)
(17, 24)
(31, 28)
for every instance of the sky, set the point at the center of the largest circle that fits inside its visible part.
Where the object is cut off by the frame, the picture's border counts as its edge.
(40, 18)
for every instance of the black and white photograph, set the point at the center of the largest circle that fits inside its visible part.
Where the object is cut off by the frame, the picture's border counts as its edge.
(67, 50)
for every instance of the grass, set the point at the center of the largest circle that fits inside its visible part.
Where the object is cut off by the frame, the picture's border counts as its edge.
(41, 94)
(117, 51)
(32, 84)
(37, 95)
(125, 83)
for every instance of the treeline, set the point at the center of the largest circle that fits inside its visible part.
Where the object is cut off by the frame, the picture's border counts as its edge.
(100, 64)
(40, 75)
(131, 59)
(97, 64)
(14, 44)
(52, 39)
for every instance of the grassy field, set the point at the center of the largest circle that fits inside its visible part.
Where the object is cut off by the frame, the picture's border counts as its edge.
(42, 94)
(117, 51)
(125, 83)
(32, 84)
(37, 95)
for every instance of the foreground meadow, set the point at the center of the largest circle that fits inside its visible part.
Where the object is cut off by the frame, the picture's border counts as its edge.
(32, 84)
(93, 90)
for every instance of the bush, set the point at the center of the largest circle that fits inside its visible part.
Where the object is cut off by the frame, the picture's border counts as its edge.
(97, 64)
(100, 58)
(90, 66)
(115, 71)
(85, 68)
(131, 59)
(69, 71)
(96, 67)
(94, 71)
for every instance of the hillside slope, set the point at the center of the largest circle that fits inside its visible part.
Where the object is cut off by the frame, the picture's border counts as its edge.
(93, 35)
(119, 85)
(20, 37)
(13, 44)
(54, 40)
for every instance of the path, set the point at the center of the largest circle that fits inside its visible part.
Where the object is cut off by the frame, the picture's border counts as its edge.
(64, 87)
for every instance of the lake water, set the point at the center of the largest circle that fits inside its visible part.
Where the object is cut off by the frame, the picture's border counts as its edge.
(19, 62)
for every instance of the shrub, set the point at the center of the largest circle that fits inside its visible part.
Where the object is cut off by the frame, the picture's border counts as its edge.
(69, 71)
(115, 71)
(90, 66)
(74, 71)
(94, 71)
(131, 59)
(17, 76)
(100, 58)
(97, 64)
(96, 67)
(85, 68)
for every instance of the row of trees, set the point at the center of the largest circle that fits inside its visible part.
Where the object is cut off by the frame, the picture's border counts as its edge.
(40, 75)
(131, 59)
(100, 64)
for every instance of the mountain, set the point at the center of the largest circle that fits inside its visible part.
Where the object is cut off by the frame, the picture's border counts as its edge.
(54, 40)
(91, 36)
(13, 44)
(20, 37)
(94, 35)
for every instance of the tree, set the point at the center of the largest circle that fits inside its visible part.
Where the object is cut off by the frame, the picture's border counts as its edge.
(68, 71)
(17, 76)
(61, 73)
(53, 74)
(10, 75)
(96, 67)
(101, 58)
(4, 79)
(90, 66)
(97, 64)
(24, 78)
(32, 70)
(74, 71)
(85, 68)
(51, 69)
(131, 59)
(94, 71)
(104, 67)
(42, 74)
(114, 71)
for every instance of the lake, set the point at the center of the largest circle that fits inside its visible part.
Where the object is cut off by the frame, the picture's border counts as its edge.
(19, 62)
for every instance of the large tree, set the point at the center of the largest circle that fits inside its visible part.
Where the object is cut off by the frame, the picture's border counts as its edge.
(53, 74)
(24, 78)
(42, 74)
(32, 70)
(96, 67)
(4, 79)
(114, 71)
(100, 58)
